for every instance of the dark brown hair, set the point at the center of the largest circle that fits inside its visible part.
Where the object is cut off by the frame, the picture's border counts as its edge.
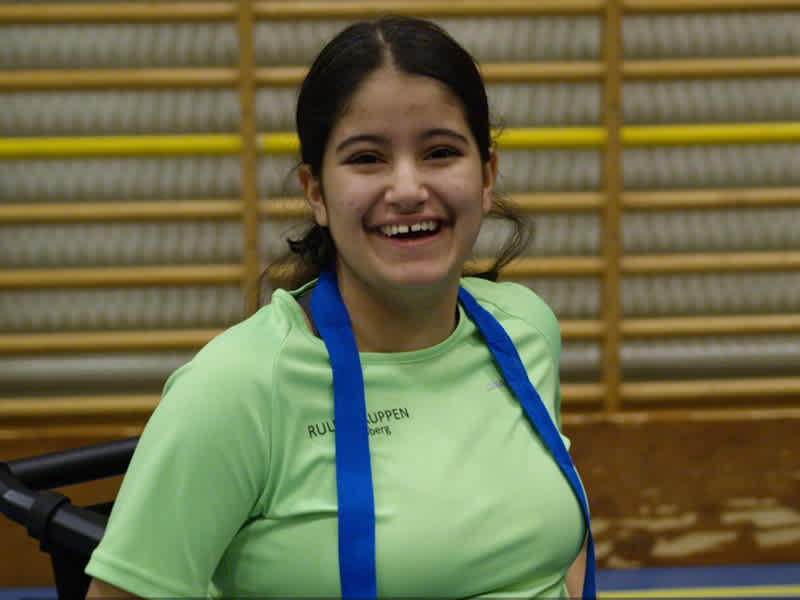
(414, 46)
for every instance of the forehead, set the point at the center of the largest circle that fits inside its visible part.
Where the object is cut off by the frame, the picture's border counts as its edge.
(388, 93)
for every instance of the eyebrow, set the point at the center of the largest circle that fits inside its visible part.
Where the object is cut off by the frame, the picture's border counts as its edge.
(443, 131)
(379, 139)
(363, 137)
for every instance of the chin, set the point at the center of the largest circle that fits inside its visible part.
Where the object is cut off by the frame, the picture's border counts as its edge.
(424, 279)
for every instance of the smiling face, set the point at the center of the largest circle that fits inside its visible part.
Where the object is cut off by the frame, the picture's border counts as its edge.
(403, 188)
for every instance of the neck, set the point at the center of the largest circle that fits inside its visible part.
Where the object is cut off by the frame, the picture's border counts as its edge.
(399, 323)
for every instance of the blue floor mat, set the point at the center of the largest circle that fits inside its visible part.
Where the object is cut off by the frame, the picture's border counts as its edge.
(740, 581)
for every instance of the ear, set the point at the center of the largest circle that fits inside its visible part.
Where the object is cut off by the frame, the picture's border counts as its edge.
(312, 189)
(489, 177)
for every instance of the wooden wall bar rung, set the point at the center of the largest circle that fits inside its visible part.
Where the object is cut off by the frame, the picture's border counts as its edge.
(710, 262)
(284, 208)
(688, 68)
(542, 71)
(120, 276)
(541, 266)
(292, 76)
(100, 79)
(535, 203)
(346, 9)
(711, 325)
(710, 390)
(105, 212)
(694, 6)
(105, 341)
(54, 408)
(582, 393)
(581, 329)
(279, 76)
(28, 13)
(711, 198)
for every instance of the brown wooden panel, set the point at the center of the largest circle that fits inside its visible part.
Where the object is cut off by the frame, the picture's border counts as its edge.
(666, 488)
(22, 564)
(691, 488)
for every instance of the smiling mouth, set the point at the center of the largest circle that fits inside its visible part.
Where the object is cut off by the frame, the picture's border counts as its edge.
(408, 232)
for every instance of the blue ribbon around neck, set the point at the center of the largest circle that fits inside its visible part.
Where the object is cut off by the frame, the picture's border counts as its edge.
(356, 503)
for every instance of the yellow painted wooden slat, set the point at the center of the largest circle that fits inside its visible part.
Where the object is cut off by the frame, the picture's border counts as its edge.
(132, 145)
(715, 133)
(287, 143)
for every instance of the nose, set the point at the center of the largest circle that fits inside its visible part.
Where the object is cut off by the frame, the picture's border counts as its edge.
(407, 190)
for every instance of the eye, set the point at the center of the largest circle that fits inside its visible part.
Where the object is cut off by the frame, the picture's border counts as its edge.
(363, 158)
(443, 152)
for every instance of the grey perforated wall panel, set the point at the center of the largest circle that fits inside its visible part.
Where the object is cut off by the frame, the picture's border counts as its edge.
(499, 39)
(122, 244)
(705, 230)
(710, 294)
(737, 356)
(166, 307)
(648, 359)
(118, 112)
(496, 39)
(711, 35)
(119, 179)
(736, 100)
(569, 297)
(91, 373)
(757, 165)
(130, 45)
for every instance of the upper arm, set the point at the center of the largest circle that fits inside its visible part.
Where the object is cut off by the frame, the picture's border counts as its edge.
(197, 475)
(576, 574)
(100, 589)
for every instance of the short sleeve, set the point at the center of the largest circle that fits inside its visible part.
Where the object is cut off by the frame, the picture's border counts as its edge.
(196, 476)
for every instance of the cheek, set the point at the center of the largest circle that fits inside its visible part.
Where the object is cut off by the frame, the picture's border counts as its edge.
(348, 197)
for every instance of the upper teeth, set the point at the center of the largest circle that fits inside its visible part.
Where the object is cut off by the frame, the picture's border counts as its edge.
(391, 230)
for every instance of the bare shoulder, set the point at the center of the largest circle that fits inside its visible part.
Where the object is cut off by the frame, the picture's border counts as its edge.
(100, 589)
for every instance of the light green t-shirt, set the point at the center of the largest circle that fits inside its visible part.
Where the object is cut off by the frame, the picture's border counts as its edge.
(232, 489)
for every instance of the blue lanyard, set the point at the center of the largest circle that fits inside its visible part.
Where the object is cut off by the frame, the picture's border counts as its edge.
(356, 503)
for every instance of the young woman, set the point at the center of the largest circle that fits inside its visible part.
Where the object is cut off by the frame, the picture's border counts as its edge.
(388, 428)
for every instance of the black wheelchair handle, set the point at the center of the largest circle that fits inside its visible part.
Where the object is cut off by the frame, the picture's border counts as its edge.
(49, 516)
(76, 465)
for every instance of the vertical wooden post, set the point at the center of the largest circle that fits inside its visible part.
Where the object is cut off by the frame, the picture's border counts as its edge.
(612, 215)
(248, 130)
